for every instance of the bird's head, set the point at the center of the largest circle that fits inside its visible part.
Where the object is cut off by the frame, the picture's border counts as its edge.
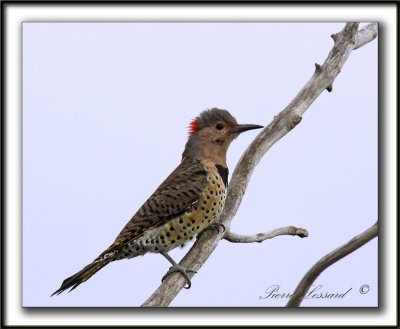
(211, 133)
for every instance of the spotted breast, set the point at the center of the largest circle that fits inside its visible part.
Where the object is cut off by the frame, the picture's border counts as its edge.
(195, 219)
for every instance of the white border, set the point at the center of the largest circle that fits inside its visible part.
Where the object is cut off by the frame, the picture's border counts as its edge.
(15, 14)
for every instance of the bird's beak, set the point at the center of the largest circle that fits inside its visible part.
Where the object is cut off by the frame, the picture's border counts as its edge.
(241, 128)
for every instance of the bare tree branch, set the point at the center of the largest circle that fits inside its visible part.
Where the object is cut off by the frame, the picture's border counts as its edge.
(283, 123)
(260, 237)
(328, 260)
(366, 34)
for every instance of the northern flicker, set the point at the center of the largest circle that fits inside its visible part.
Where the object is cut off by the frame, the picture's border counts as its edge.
(189, 200)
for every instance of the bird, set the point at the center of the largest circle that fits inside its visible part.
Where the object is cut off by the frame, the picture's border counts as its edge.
(187, 202)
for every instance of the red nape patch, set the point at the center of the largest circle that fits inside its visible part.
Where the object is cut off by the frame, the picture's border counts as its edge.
(193, 127)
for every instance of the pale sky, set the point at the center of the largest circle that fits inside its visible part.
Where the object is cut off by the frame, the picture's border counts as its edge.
(105, 113)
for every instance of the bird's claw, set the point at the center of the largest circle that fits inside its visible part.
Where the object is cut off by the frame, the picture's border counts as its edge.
(213, 226)
(183, 271)
(216, 226)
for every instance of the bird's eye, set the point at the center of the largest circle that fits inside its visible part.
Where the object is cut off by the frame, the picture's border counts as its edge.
(219, 126)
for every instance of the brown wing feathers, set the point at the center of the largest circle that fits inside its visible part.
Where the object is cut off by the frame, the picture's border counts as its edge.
(173, 197)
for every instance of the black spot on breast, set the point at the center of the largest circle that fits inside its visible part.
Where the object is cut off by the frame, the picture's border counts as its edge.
(224, 173)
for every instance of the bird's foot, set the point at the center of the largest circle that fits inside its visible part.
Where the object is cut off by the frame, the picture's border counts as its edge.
(216, 226)
(177, 268)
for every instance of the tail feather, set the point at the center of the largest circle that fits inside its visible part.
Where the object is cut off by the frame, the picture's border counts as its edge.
(86, 273)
